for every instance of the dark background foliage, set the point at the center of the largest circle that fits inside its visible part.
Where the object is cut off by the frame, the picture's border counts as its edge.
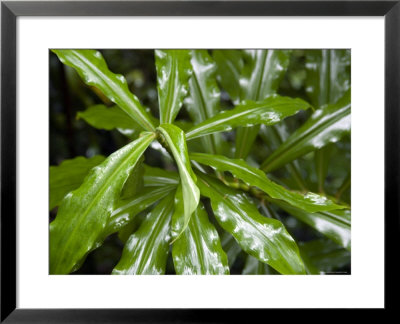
(71, 137)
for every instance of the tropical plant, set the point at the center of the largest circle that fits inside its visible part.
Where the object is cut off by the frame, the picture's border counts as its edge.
(250, 172)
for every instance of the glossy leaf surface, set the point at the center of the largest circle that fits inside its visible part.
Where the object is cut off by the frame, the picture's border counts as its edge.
(173, 72)
(198, 250)
(326, 125)
(175, 138)
(334, 224)
(84, 213)
(68, 176)
(146, 250)
(93, 70)
(310, 202)
(204, 98)
(262, 237)
(127, 209)
(260, 78)
(268, 112)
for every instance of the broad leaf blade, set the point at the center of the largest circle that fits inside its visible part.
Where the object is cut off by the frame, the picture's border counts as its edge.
(173, 72)
(93, 70)
(84, 213)
(204, 98)
(268, 112)
(198, 250)
(68, 176)
(127, 209)
(309, 202)
(326, 125)
(260, 79)
(262, 237)
(146, 250)
(175, 139)
(334, 224)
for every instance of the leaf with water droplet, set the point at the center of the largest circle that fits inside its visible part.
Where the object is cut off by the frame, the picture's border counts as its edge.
(173, 72)
(93, 70)
(84, 213)
(68, 176)
(146, 250)
(326, 125)
(267, 112)
(252, 176)
(264, 238)
(198, 250)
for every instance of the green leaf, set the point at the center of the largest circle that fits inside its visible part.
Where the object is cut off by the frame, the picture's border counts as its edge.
(126, 209)
(173, 72)
(260, 79)
(326, 125)
(101, 117)
(84, 213)
(229, 69)
(68, 176)
(93, 70)
(159, 177)
(198, 250)
(334, 224)
(328, 75)
(269, 112)
(309, 202)
(204, 98)
(175, 138)
(262, 237)
(146, 250)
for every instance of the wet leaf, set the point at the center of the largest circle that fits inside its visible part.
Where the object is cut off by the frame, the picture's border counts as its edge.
(310, 202)
(204, 98)
(268, 112)
(126, 209)
(260, 78)
(262, 237)
(326, 125)
(93, 70)
(198, 250)
(84, 213)
(173, 72)
(146, 250)
(334, 224)
(68, 176)
(175, 138)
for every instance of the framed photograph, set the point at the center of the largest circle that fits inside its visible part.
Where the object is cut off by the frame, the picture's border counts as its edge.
(189, 156)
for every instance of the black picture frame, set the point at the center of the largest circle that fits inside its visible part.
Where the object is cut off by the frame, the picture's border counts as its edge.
(9, 13)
